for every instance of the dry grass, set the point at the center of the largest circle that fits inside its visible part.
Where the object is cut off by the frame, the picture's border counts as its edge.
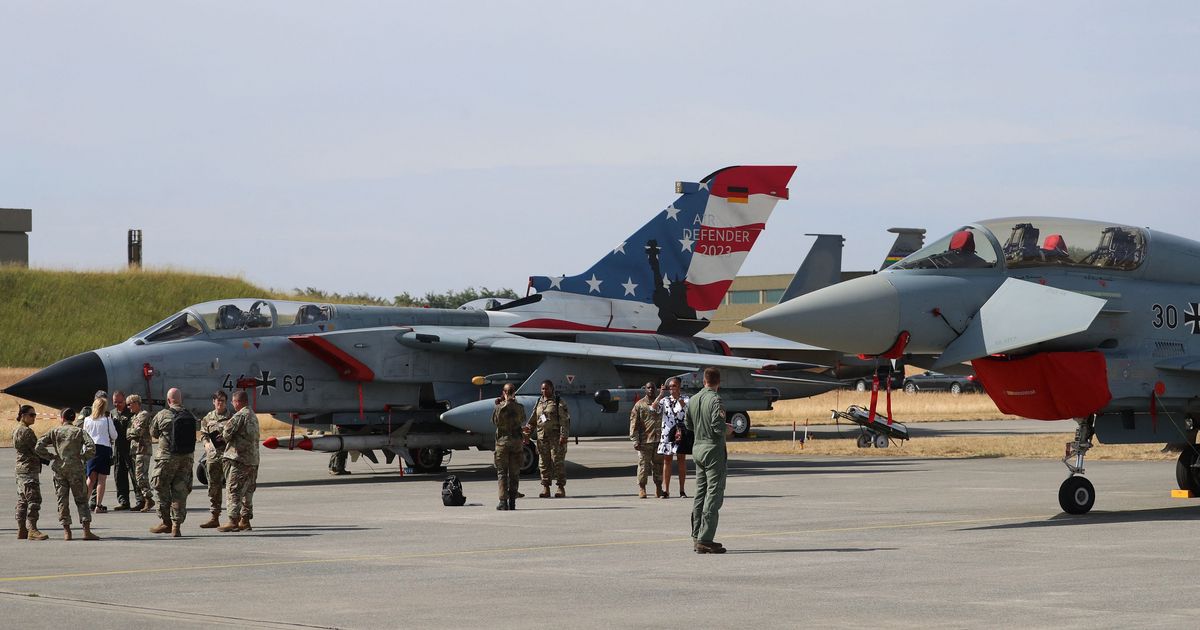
(1040, 446)
(48, 418)
(922, 407)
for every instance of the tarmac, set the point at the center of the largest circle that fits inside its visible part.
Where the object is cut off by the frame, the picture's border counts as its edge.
(813, 541)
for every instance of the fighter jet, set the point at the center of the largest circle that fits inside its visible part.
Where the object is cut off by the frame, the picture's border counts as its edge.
(420, 382)
(1060, 318)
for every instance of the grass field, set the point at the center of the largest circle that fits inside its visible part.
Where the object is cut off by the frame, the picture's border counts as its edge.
(50, 315)
(921, 407)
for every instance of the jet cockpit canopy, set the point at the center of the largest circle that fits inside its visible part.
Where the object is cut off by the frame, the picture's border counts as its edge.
(236, 314)
(1034, 242)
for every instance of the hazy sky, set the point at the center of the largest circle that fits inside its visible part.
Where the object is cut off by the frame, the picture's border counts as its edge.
(389, 146)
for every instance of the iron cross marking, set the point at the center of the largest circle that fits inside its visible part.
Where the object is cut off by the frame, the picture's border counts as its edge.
(1191, 317)
(265, 383)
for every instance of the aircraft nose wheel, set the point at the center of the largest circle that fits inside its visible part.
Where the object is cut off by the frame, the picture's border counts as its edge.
(1076, 495)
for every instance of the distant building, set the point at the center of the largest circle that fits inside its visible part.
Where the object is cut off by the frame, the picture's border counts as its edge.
(15, 226)
(753, 294)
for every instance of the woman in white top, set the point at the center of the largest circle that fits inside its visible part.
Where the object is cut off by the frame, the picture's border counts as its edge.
(673, 407)
(104, 433)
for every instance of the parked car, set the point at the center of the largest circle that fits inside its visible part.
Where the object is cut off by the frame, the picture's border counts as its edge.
(863, 384)
(936, 381)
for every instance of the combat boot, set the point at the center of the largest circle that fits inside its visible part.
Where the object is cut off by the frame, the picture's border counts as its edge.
(502, 505)
(561, 493)
(701, 547)
(641, 492)
(215, 521)
(22, 533)
(658, 491)
(87, 532)
(175, 530)
(149, 505)
(545, 491)
(138, 507)
(34, 533)
(231, 526)
(512, 504)
(67, 533)
(244, 525)
(162, 528)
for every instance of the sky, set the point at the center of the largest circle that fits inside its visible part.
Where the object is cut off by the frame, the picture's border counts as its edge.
(388, 147)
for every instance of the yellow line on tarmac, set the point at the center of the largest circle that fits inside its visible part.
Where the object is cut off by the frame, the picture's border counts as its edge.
(479, 552)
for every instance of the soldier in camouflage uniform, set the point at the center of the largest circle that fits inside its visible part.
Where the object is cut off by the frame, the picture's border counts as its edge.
(172, 476)
(72, 448)
(645, 429)
(241, 463)
(553, 423)
(142, 449)
(28, 474)
(214, 464)
(508, 416)
(122, 459)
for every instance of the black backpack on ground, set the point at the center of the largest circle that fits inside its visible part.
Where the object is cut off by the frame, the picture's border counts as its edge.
(183, 433)
(452, 493)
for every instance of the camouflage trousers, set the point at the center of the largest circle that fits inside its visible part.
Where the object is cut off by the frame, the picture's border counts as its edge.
(172, 481)
(240, 483)
(649, 465)
(215, 469)
(29, 497)
(66, 484)
(141, 476)
(552, 463)
(508, 469)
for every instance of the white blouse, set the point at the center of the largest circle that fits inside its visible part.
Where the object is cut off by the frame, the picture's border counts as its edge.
(102, 430)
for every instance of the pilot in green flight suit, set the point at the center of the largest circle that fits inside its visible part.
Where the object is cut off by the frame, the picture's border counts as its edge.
(706, 417)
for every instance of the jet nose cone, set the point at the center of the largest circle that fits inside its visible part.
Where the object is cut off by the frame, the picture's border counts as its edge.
(860, 316)
(68, 383)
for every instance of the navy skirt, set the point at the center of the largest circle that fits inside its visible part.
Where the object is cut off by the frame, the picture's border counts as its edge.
(102, 462)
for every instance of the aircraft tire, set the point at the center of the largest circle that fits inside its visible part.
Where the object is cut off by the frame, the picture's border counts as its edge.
(427, 459)
(741, 424)
(864, 440)
(881, 441)
(202, 470)
(1186, 477)
(529, 459)
(1076, 495)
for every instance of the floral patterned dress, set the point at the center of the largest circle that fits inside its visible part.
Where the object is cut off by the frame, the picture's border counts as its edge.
(673, 411)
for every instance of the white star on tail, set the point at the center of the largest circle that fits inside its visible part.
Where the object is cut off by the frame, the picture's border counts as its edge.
(672, 211)
(593, 284)
(556, 282)
(686, 242)
(666, 282)
(629, 287)
(620, 248)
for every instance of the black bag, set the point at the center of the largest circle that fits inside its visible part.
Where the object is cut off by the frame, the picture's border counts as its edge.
(452, 494)
(183, 433)
(689, 440)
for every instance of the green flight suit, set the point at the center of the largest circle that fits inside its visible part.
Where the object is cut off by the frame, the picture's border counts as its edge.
(706, 417)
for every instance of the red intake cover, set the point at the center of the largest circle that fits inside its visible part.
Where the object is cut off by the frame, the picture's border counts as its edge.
(1047, 385)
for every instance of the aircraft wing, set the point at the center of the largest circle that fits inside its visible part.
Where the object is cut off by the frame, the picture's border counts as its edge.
(461, 340)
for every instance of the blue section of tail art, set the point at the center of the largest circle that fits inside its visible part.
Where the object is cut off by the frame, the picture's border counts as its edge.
(653, 257)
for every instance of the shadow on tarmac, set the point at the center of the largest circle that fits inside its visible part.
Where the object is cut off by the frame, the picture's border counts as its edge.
(815, 550)
(1182, 513)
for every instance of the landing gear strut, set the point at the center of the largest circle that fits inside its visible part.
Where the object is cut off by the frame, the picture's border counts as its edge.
(1077, 495)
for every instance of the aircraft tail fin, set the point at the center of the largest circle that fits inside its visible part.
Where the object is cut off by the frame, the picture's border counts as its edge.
(908, 240)
(683, 261)
(822, 267)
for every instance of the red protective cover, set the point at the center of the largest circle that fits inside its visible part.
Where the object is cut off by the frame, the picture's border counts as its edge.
(1047, 385)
